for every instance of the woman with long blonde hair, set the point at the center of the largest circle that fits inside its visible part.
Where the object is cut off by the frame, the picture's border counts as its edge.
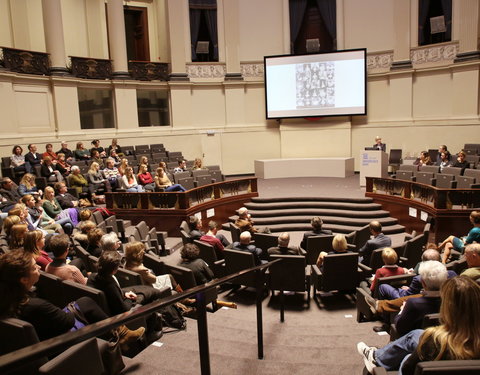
(27, 185)
(457, 338)
(145, 178)
(96, 180)
(123, 166)
(130, 182)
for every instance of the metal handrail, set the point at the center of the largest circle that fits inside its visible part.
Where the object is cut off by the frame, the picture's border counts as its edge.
(58, 343)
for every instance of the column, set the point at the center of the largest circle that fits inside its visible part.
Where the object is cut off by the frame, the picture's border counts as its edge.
(465, 14)
(179, 30)
(53, 27)
(232, 42)
(117, 40)
(401, 50)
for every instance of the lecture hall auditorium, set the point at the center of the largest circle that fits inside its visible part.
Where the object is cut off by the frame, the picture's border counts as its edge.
(189, 75)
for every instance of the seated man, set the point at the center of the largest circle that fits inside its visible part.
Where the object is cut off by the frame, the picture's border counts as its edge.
(211, 239)
(378, 241)
(65, 199)
(196, 233)
(9, 195)
(317, 230)
(244, 221)
(283, 248)
(472, 255)
(190, 259)
(66, 151)
(244, 245)
(32, 156)
(433, 275)
(59, 246)
(182, 166)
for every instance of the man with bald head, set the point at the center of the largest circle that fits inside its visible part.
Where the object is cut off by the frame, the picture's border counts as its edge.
(379, 241)
(283, 248)
(244, 245)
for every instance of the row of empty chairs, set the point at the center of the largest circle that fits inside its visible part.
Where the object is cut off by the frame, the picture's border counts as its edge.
(448, 178)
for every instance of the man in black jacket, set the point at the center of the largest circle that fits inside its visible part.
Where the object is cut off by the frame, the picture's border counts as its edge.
(316, 224)
(9, 195)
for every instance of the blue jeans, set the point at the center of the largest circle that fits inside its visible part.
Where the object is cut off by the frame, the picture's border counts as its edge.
(136, 189)
(386, 291)
(391, 355)
(175, 187)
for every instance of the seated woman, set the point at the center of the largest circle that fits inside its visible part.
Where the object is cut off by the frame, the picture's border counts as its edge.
(190, 259)
(390, 258)
(27, 185)
(445, 160)
(16, 238)
(145, 178)
(111, 173)
(197, 164)
(144, 160)
(163, 182)
(423, 159)
(96, 147)
(113, 155)
(458, 244)
(17, 160)
(134, 252)
(18, 274)
(37, 215)
(95, 157)
(114, 146)
(7, 225)
(49, 152)
(81, 233)
(34, 243)
(93, 238)
(129, 182)
(455, 339)
(62, 166)
(123, 166)
(81, 153)
(67, 218)
(96, 181)
(77, 181)
(121, 300)
(339, 245)
(50, 171)
(21, 211)
(461, 162)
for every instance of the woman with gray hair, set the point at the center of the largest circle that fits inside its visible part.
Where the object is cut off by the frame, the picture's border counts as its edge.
(110, 242)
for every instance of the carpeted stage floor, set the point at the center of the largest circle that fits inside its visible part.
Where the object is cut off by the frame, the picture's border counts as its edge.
(314, 339)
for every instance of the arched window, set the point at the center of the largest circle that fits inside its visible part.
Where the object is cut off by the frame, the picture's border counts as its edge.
(203, 30)
(434, 21)
(312, 20)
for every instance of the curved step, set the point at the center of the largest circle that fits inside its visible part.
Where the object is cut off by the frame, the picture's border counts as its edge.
(318, 212)
(311, 199)
(335, 228)
(306, 204)
(360, 222)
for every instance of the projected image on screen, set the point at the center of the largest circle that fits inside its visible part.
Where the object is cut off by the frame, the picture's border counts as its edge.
(315, 85)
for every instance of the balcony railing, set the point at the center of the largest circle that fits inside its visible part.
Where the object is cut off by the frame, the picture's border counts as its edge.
(148, 71)
(87, 67)
(27, 62)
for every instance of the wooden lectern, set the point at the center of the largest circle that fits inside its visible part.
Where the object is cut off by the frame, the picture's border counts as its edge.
(373, 163)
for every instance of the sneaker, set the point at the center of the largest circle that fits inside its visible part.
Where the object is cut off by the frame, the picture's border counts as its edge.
(368, 354)
(372, 303)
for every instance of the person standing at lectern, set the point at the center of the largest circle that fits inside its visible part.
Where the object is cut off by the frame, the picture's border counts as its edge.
(379, 145)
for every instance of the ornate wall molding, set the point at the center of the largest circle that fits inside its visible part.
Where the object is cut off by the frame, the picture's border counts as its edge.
(434, 54)
(252, 70)
(379, 62)
(206, 70)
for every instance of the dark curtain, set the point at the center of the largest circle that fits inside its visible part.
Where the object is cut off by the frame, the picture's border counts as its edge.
(211, 18)
(194, 29)
(423, 7)
(210, 8)
(297, 12)
(328, 11)
(447, 12)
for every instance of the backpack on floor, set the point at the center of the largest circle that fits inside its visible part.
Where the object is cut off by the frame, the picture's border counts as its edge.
(172, 317)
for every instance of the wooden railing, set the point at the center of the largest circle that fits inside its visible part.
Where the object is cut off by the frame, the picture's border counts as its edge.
(165, 211)
(182, 200)
(148, 71)
(88, 67)
(429, 195)
(413, 203)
